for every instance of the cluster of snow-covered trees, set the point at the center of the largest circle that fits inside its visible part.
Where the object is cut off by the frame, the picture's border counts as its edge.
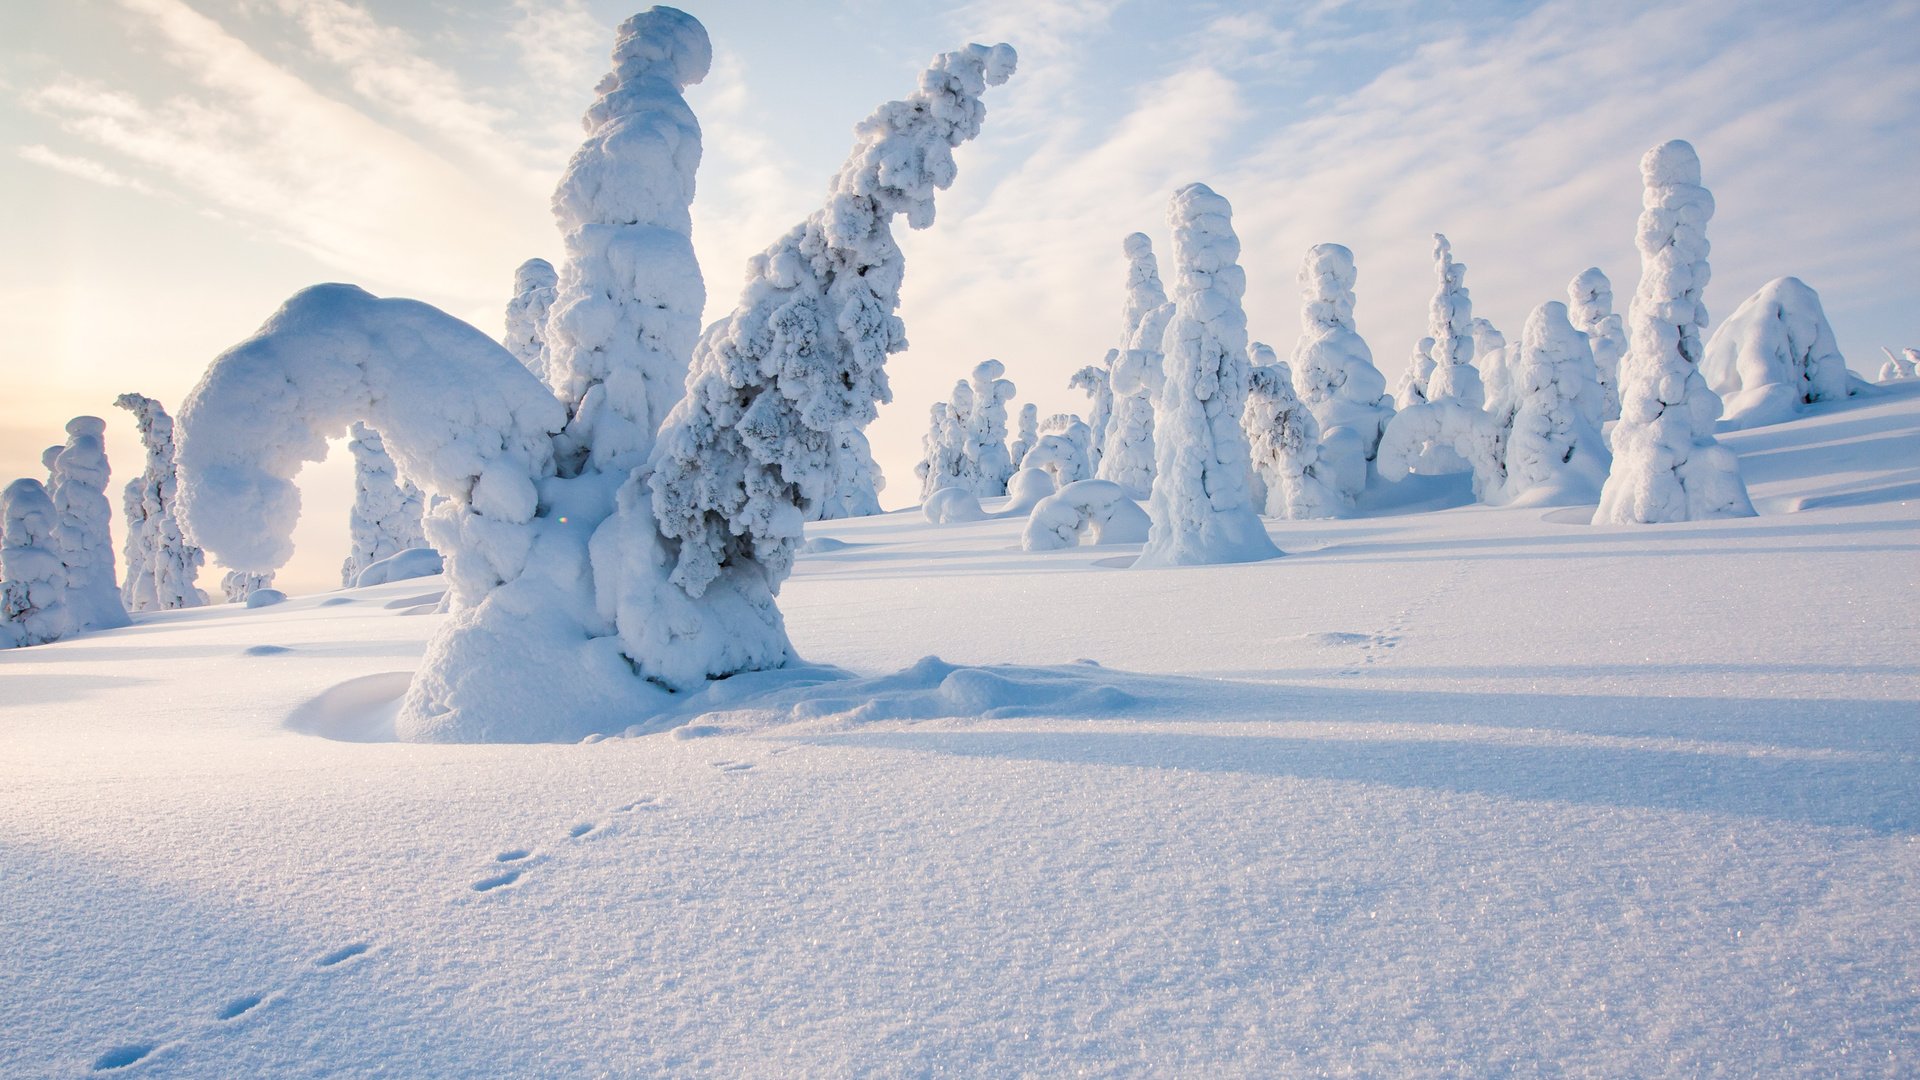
(57, 572)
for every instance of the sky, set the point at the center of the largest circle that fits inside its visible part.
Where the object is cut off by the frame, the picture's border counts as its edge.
(171, 170)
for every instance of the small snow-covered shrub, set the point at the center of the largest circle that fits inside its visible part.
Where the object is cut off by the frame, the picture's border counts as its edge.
(1098, 511)
(1202, 511)
(535, 286)
(950, 506)
(1590, 300)
(1284, 441)
(80, 476)
(162, 567)
(33, 576)
(1775, 356)
(1667, 466)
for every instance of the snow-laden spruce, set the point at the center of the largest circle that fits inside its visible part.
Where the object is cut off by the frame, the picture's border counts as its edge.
(33, 576)
(162, 567)
(1333, 370)
(855, 483)
(988, 462)
(535, 286)
(1412, 387)
(1496, 362)
(1554, 455)
(802, 356)
(1201, 506)
(80, 476)
(1284, 439)
(1126, 458)
(627, 312)
(388, 510)
(1027, 435)
(1450, 324)
(1775, 356)
(941, 461)
(1667, 466)
(1096, 380)
(1063, 450)
(1086, 511)
(959, 431)
(1590, 299)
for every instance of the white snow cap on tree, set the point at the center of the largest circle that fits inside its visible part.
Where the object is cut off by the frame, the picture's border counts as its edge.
(627, 313)
(1096, 510)
(1554, 452)
(1063, 450)
(1590, 297)
(1667, 465)
(33, 577)
(1775, 356)
(1284, 440)
(535, 285)
(1450, 324)
(802, 356)
(1126, 458)
(1029, 434)
(988, 462)
(1097, 381)
(80, 476)
(856, 483)
(162, 566)
(1202, 511)
(1333, 370)
(387, 508)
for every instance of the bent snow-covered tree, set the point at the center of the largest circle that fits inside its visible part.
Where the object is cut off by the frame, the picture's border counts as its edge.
(162, 566)
(1590, 300)
(388, 510)
(1097, 381)
(1333, 370)
(1775, 356)
(80, 476)
(1134, 379)
(33, 579)
(1667, 466)
(1201, 507)
(535, 285)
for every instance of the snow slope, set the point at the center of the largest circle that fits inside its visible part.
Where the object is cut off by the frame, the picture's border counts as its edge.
(1469, 792)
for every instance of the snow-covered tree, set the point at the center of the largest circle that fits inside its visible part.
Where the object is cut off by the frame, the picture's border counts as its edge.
(240, 585)
(1667, 466)
(941, 462)
(387, 508)
(1497, 364)
(1473, 436)
(1097, 510)
(1590, 297)
(988, 462)
(856, 484)
(1412, 388)
(1901, 365)
(162, 567)
(959, 431)
(535, 286)
(33, 577)
(1333, 370)
(80, 476)
(1127, 456)
(1063, 451)
(1450, 324)
(1775, 356)
(952, 505)
(1554, 453)
(627, 311)
(1202, 511)
(1097, 381)
(1030, 433)
(47, 457)
(1284, 440)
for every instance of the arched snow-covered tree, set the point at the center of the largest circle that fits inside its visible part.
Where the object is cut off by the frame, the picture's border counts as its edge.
(1667, 466)
(1127, 456)
(162, 567)
(1590, 298)
(1333, 370)
(1028, 435)
(1097, 381)
(988, 462)
(387, 508)
(1554, 452)
(1284, 440)
(1450, 324)
(856, 484)
(80, 476)
(1063, 450)
(1775, 356)
(1202, 511)
(627, 312)
(535, 286)
(33, 577)
(1095, 509)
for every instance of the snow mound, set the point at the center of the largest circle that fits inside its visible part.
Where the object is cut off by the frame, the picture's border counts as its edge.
(358, 710)
(260, 598)
(1025, 489)
(950, 506)
(412, 563)
(934, 689)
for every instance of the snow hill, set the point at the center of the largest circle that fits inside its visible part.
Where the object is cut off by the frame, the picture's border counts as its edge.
(1448, 790)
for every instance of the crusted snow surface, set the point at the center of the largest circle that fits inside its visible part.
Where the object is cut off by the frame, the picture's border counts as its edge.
(1378, 808)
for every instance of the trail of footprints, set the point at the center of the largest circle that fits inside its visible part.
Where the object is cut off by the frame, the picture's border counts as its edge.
(512, 865)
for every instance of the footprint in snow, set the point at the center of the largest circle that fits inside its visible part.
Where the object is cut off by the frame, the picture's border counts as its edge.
(122, 1056)
(497, 881)
(240, 1006)
(341, 955)
(732, 766)
(644, 802)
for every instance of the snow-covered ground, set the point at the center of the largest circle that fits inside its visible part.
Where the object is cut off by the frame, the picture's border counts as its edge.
(1472, 792)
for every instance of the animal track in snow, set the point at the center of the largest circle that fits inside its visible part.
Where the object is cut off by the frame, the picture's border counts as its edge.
(644, 802)
(122, 1056)
(497, 881)
(514, 855)
(341, 955)
(240, 1006)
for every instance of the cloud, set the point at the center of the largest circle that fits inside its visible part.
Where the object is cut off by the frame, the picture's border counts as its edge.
(84, 168)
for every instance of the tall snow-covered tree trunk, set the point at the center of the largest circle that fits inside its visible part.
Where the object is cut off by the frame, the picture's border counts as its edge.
(988, 462)
(1450, 324)
(1127, 458)
(33, 577)
(1097, 381)
(388, 510)
(1667, 466)
(1202, 512)
(80, 476)
(1333, 370)
(162, 567)
(1590, 297)
(535, 286)
(627, 311)
(1554, 452)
